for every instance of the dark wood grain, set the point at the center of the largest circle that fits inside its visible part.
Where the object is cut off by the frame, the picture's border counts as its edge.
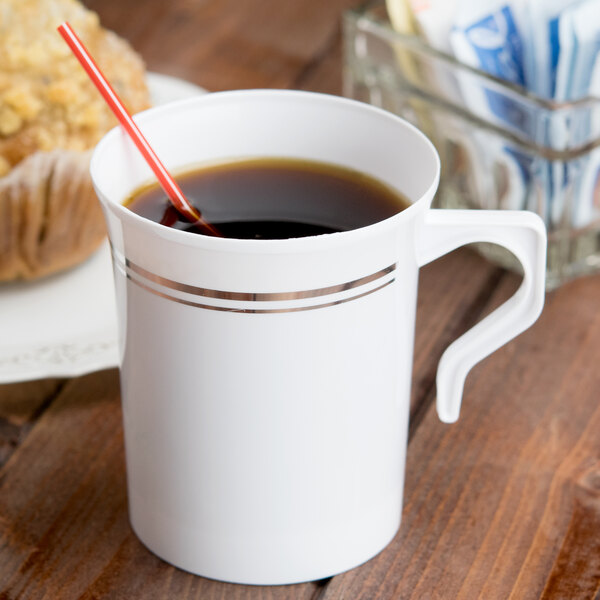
(503, 504)
(506, 502)
(453, 293)
(20, 406)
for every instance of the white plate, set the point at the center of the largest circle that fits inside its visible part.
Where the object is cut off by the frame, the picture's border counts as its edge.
(65, 325)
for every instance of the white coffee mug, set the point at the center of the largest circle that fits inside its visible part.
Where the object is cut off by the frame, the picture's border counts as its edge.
(266, 383)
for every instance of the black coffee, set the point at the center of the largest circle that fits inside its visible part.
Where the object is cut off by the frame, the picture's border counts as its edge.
(274, 198)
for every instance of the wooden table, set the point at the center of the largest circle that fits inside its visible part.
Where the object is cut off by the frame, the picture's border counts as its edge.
(503, 504)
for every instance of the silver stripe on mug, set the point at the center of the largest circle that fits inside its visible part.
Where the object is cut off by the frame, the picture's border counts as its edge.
(250, 296)
(254, 310)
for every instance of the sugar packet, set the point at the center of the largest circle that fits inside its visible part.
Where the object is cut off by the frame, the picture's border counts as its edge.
(488, 36)
(434, 19)
(485, 35)
(580, 30)
(549, 48)
(578, 77)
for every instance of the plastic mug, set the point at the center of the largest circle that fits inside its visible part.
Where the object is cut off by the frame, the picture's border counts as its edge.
(266, 383)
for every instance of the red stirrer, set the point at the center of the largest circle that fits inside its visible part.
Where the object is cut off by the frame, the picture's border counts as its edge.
(168, 184)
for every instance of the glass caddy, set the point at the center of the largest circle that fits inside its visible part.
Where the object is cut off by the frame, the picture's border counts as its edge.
(501, 147)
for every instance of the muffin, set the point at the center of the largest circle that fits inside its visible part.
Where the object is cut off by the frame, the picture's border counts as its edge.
(51, 116)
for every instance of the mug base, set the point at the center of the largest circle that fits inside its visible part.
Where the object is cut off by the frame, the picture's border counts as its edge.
(276, 561)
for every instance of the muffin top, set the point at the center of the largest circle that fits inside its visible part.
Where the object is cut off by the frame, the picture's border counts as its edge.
(46, 99)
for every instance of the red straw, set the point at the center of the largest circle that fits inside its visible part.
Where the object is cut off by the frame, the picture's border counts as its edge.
(168, 184)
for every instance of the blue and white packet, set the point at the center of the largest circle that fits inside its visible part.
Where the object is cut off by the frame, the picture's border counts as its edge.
(551, 48)
(488, 36)
(583, 22)
(548, 47)
(563, 66)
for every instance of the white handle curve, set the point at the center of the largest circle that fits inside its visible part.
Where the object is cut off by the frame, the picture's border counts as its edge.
(521, 232)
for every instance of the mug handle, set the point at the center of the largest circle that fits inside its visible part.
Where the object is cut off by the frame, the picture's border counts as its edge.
(521, 232)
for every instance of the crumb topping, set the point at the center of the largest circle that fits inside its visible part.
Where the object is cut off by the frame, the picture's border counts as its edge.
(46, 98)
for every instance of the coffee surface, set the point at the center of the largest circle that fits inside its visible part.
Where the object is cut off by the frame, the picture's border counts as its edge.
(274, 198)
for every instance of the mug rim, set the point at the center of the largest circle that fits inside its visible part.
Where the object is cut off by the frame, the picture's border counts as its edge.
(261, 246)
